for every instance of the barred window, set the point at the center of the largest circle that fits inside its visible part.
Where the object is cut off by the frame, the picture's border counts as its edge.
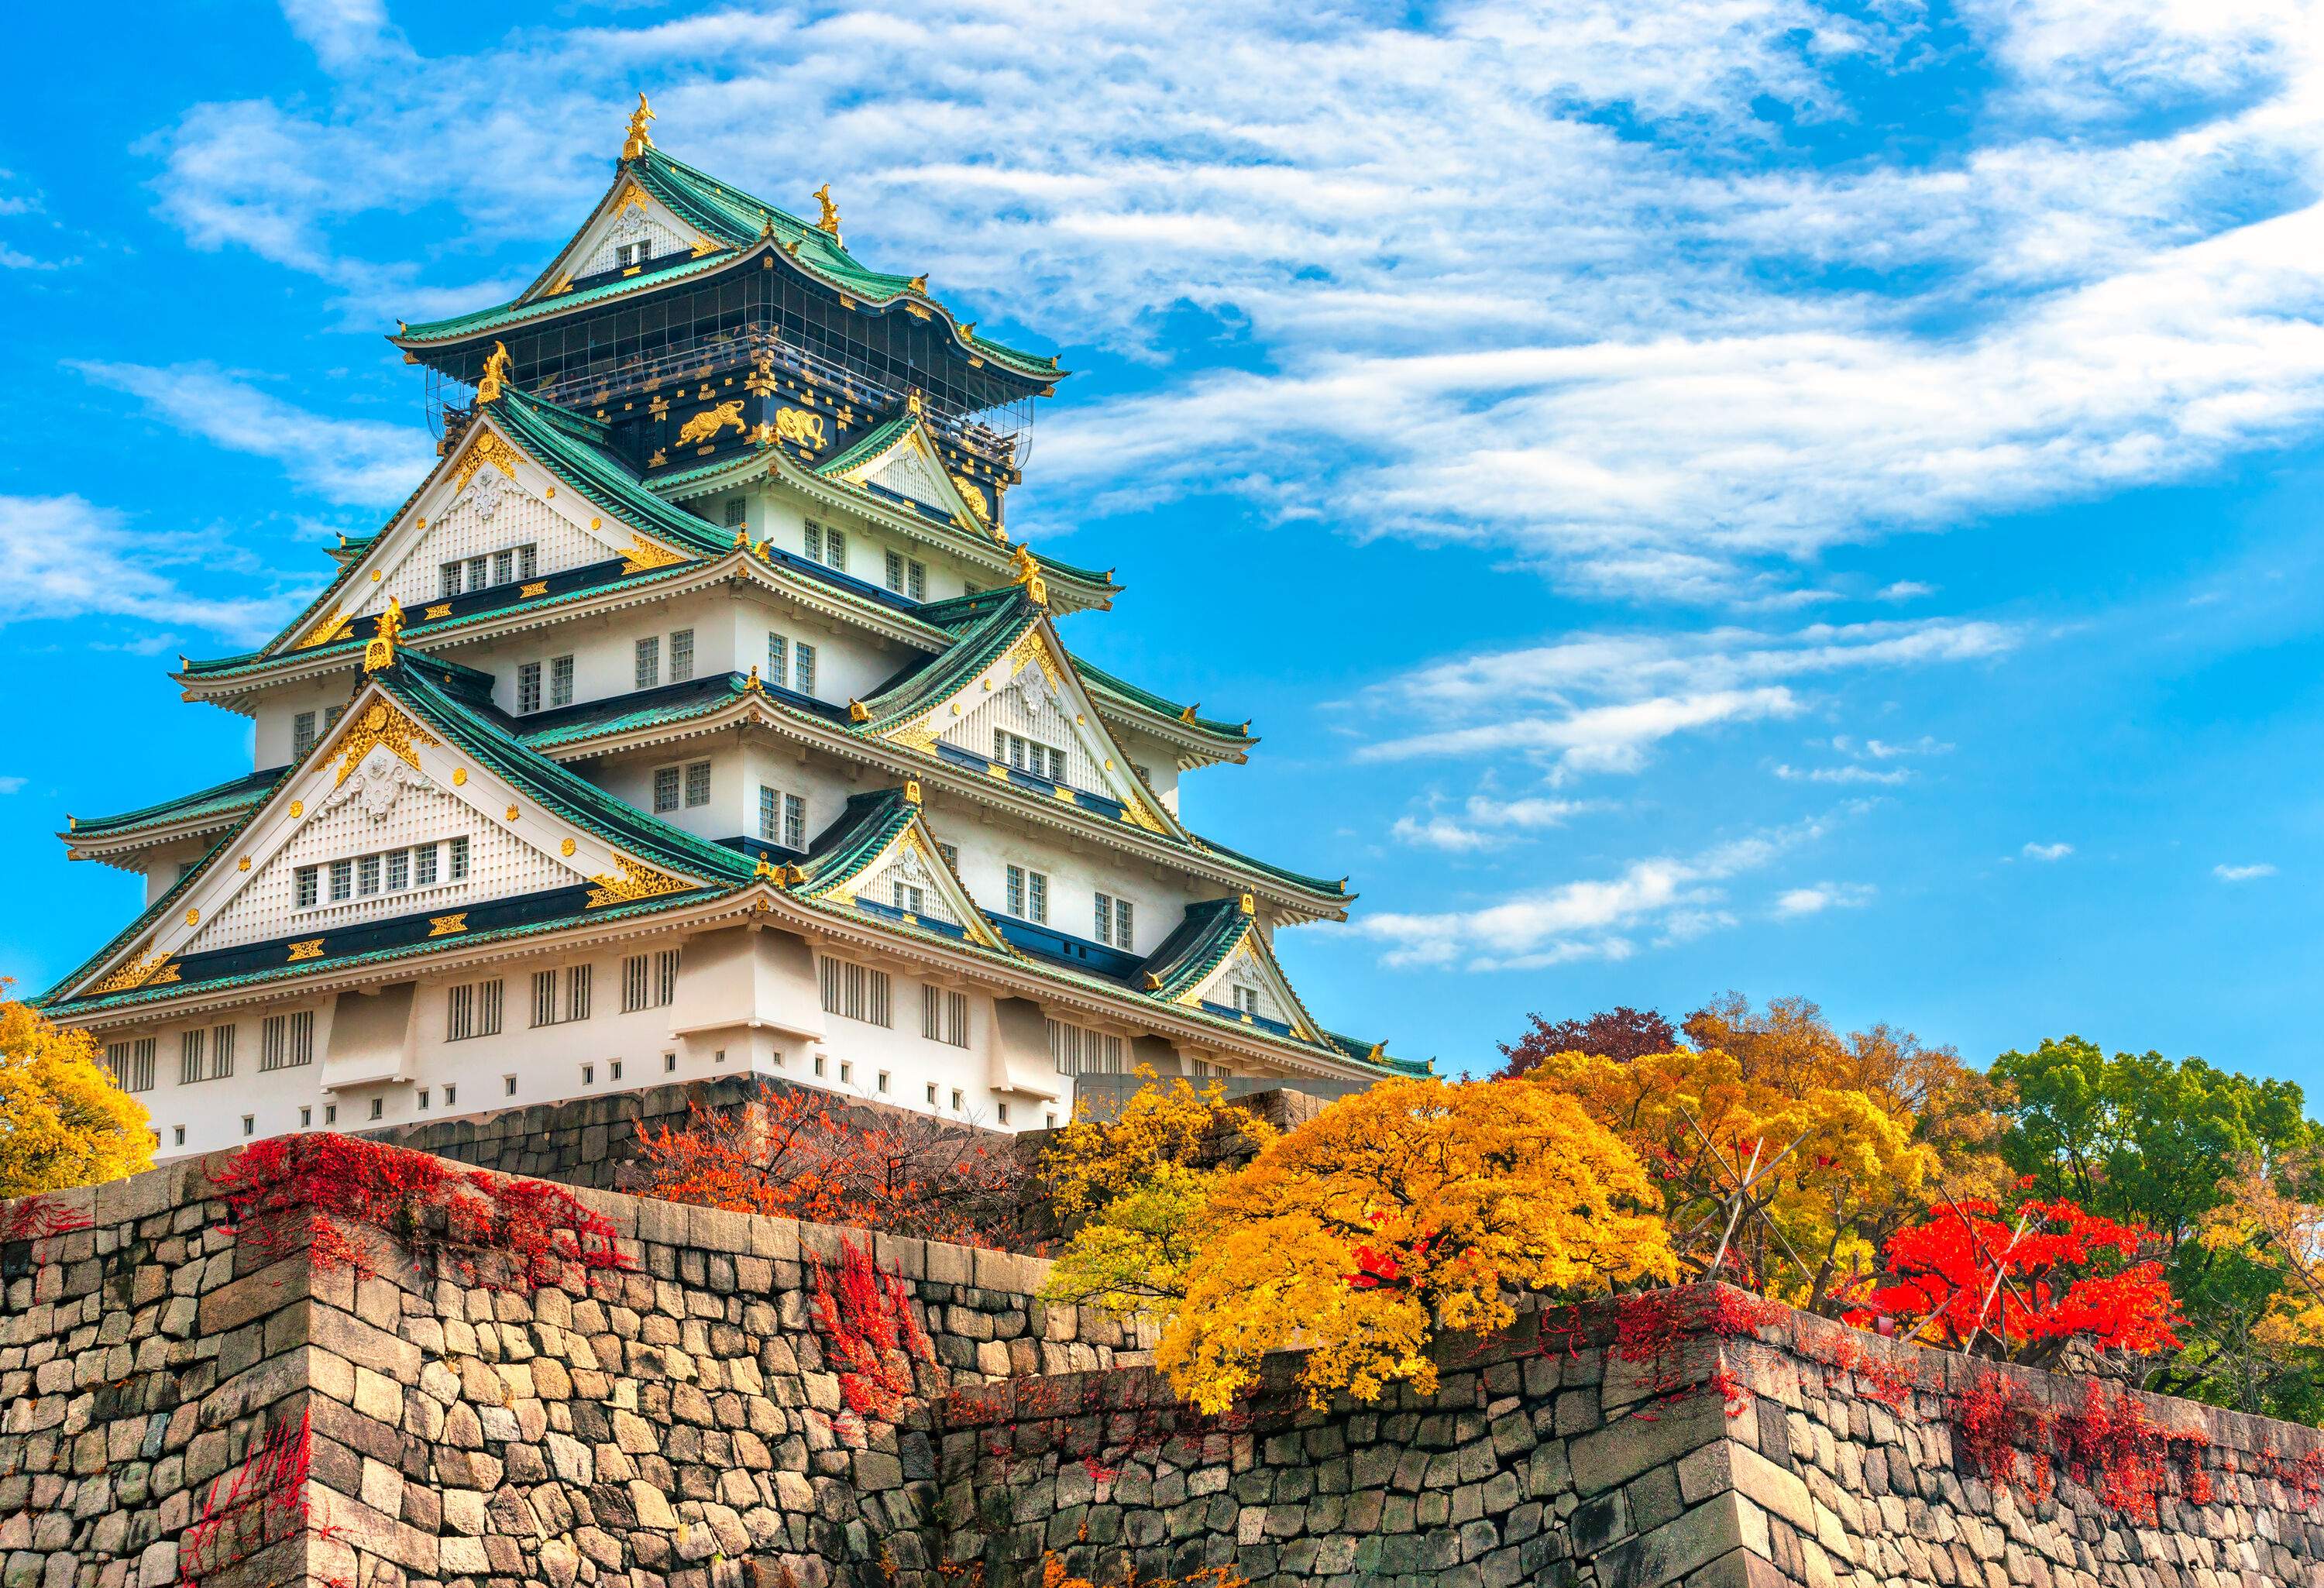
(477, 575)
(302, 734)
(367, 875)
(132, 1063)
(778, 659)
(459, 868)
(834, 548)
(916, 578)
(1078, 1052)
(503, 566)
(286, 1041)
(633, 982)
(913, 900)
(577, 984)
(473, 1009)
(813, 541)
(1027, 755)
(447, 580)
(544, 998)
(528, 560)
(681, 656)
(1246, 998)
(399, 870)
(666, 975)
(734, 512)
(665, 788)
(795, 820)
(1029, 894)
(527, 688)
(561, 680)
(343, 879)
(222, 1050)
(308, 876)
(944, 1016)
(855, 991)
(896, 572)
(803, 673)
(769, 815)
(698, 784)
(423, 866)
(649, 980)
(1113, 920)
(648, 672)
(191, 1045)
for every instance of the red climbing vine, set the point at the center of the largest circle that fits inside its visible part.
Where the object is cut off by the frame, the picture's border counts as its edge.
(339, 1194)
(35, 1218)
(1652, 1328)
(867, 1320)
(261, 1501)
(2110, 1443)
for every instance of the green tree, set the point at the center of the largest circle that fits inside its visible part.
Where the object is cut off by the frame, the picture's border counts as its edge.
(2141, 1138)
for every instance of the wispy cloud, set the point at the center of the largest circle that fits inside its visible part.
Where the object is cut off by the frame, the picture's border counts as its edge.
(2046, 851)
(1823, 896)
(12, 785)
(1551, 277)
(67, 558)
(2242, 873)
(1599, 703)
(1598, 918)
(350, 460)
(1484, 822)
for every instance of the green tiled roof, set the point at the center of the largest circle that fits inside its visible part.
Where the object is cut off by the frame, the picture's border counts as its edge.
(1361, 1052)
(866, 826)
(234, 796)
(870, 445)
(1324, 885)
(737, 219)
(1197, 947)
(978, 645)
(1106, 683)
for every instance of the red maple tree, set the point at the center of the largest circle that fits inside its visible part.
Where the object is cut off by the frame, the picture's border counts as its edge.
(2021, 1287)
(803, 1155)
(1617, 1033)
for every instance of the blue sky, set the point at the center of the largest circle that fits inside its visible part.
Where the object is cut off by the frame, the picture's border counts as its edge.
(1803, 499)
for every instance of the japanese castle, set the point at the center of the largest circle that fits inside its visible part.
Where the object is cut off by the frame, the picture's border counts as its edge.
(696, 715)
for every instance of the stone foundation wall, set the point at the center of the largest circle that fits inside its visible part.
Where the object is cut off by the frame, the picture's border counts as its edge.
(682, 1425)
(581, 1142)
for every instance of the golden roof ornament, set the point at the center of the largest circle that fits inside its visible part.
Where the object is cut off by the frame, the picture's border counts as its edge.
(912, 790)
(828, 221)
(912, 401)
(640, 140)
(497, 368)
(918, 284)
(379, 653)
(1028, 574)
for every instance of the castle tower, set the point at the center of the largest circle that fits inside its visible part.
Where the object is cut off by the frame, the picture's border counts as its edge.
(697, 715)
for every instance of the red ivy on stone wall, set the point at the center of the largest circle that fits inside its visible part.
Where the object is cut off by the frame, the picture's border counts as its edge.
(263, 1500)
(866, 1318)
(337, 1192)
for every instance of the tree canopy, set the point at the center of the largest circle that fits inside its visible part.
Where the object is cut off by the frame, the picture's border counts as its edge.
(64, 1120)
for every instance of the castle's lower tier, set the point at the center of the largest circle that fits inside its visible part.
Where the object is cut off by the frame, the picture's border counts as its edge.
(553, 1027)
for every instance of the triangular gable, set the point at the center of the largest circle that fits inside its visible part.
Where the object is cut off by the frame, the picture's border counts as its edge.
(627, 214)
(385, 778)
(901, 457)
(881, 845)
(1033, 692)
(490, 494)
(1244, 959)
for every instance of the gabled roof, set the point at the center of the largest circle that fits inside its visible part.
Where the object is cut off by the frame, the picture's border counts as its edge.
(230, 798)
(873, 829)
(745, 226)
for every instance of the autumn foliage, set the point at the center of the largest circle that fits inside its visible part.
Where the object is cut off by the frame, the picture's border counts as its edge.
(337, 1195)
(64, 1120)
(806, 1155)
(869, 1332)
(1415, 1207)
(2021, 1287)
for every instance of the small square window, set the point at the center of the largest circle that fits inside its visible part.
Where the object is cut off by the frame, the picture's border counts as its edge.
(561, 680)
(378, 1107)
(846, 1073)
(508, 1085)
(451, 1095)
(698, 784)
(883, 1080)
(955, 1099)
(1048, 1122)
(669, 1064)
(734, 510)
(330, 1113)
(306, 1118)
(614, 1069)
(179, 1135)
(1001, 1112)
(681, 656)
(665, 788)
(423, 1099)
(588, 1074)
(818, 1064)
(932, 1094)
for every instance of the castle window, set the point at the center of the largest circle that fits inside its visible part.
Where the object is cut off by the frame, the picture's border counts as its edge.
(648, 981)
(132, 1063)
(855, 991)
(783, 817)
(681, 656)
(1246, 998)
(423, 866)
(447, 580)
(473, 1009)
(648, 668)
(1028, 755)
(459, 859)
(527, 688)
(307, 875)
(735, 508)
(1001, 1110)
(951, 853)
(944, 1016)
(956, 1100)
(778, 659)
(826, 545)
(423, 1099)
(528, 560)
(367, 876)
(665, 788)
(249, 1124)
(627, 254)
(614, 1069)
(1078, 1052)
(698, 784)
(479, 573)
(908, 576)
(910, 900)
(286, 1041)
(803, 675)
(302, 734)
(451, 1095)
(561, 680)
(1028, 895)
(191, 1045)
(588, 1074)
(343, 879)
(504, 568)
(399, 870)
(222, 1050)
(1113, 920)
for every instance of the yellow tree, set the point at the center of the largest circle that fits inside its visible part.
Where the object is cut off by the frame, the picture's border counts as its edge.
(1134, 1187)
(1403, 1210)
(64, 1121)
(1777, 1180)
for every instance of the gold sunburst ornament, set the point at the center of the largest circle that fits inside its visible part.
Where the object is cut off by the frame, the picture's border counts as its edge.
(635, 882)
(383, 724)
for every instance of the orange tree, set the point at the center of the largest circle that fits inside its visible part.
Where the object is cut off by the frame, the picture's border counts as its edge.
(1412, 1207)
(807, 1155)
(64, 1120)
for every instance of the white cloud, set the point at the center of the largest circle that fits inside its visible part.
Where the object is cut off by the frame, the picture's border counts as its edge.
(2046, 851)
(1487, 821)
(2241, 874)
(1599, 703)
(1905, 590)
(349, 460)
(1552, 277)
(67, 558)
(12, 785)
(1823, 896)
(1842, 774)
(1587, 919)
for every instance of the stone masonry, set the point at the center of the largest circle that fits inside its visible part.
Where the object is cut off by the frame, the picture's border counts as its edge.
(681, 1425)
